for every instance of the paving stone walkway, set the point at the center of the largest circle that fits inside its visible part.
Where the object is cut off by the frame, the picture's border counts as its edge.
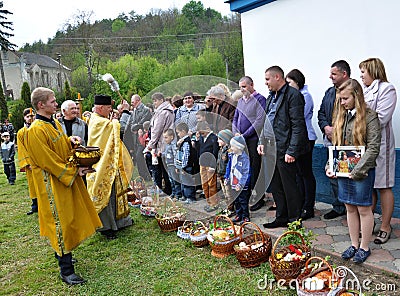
(332, 235)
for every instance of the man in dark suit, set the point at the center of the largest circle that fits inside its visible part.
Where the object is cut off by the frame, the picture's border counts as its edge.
(340, 72)
(284, 124)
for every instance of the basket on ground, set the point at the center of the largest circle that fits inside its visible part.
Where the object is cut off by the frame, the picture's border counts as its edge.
(317, 279)
(184, 230)
(223, 237)
(287, 262)
(139, 187)
(252, 249)
(198, 234)
(148, 206)
(341, 273)
(170, 216)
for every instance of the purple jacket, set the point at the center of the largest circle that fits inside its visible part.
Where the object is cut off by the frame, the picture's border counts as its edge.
(249, 116)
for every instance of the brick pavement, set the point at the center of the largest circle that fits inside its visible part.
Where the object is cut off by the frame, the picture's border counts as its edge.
(332, 235)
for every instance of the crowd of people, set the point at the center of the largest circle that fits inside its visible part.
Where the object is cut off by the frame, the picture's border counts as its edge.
(218, 148)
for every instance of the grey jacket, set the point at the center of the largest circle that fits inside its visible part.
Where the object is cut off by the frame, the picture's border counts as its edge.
(79, 128)
(134, 120)
(373, 142)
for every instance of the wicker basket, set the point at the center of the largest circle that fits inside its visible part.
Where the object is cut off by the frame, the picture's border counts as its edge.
(258, 247)
(148, 206)
(288, 270)
(309, 273)
(184, 230)
(139, 187)
(221, 249)
(169, 216)
(341, 273)
(198, 237)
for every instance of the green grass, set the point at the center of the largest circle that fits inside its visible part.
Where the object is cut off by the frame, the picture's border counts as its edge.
(141, 261)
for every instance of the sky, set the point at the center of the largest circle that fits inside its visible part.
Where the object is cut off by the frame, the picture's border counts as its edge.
(35, 20)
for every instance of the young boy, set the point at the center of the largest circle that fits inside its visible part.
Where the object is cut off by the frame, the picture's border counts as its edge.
(168, 156)
(224, 138)
(184, 162)
(238, 176)
(207, 147)
(7, 156)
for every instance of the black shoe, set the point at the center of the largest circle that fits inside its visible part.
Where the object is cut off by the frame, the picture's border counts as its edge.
(307, 214)
(72, 279)
(258, 205)
(30, 212)
(275, 224)
(109, 234)
(332, 215)
(272, 208)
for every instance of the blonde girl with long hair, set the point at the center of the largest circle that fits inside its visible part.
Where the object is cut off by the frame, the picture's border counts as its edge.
(354, 124)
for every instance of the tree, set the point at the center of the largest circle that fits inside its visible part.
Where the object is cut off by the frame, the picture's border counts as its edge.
(26, 95)
(3, 105)
(5, 44)
(67, 91)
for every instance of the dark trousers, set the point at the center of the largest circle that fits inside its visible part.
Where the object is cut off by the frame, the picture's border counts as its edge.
(175, 182)
(140, 163)
(188, 187)
(242, 202)
(257, 175)
(288, 198)
(9, 170)
(34, 205)
(159, 175)
(306, 179)
(65, 263)
(338, 206)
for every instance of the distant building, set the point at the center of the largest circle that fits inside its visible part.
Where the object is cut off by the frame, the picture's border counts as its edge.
(36, 69)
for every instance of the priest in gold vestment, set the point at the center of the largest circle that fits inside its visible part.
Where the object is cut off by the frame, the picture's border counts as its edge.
(108, 186)
(66, 214)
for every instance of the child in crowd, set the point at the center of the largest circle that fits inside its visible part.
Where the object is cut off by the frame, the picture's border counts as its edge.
(238, 176)
(143, 134)
(184, 162)
(207, 147)
(7, 156)
(168, 156)
(224, 138)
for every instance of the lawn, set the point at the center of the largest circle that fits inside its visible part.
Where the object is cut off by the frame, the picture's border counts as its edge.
(141, 261)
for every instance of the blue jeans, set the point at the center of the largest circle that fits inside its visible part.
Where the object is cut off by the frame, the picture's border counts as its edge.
(174, 180)
(187, 185)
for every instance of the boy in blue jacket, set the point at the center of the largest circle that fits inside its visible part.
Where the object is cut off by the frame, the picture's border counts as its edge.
(238, 176)
(7, 156)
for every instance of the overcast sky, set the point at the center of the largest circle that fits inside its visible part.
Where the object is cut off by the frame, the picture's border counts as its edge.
(35, 20)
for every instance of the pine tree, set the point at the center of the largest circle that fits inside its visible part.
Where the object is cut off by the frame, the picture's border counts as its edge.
(26, 95)
(5, 44)
(67, 91)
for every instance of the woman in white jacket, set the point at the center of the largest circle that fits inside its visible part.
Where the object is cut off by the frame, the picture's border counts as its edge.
(380, 96)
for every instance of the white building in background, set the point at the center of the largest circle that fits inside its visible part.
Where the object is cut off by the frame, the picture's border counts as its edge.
(312, 34)
(36, 69)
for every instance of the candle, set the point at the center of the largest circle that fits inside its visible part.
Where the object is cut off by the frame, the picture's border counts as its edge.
(79, 96)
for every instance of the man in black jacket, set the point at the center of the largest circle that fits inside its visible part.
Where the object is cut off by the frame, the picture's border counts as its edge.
(340, 72)
(285, 114)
